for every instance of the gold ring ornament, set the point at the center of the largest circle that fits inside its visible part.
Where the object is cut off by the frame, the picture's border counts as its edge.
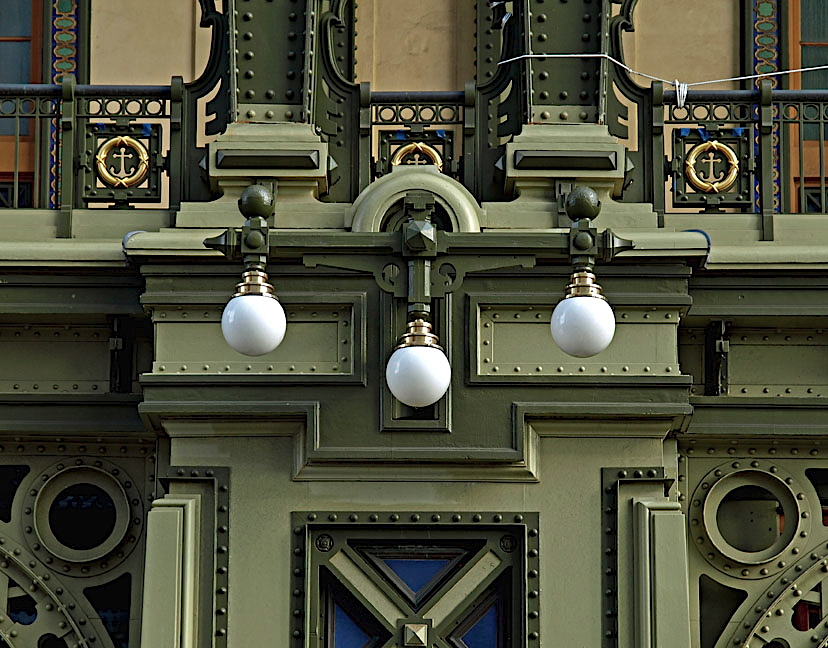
(414, 148)
(710, 183)
(122, 180)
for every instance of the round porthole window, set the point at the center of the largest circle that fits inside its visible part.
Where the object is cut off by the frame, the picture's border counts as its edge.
(751, 516)
(81, 514)
(750, 521)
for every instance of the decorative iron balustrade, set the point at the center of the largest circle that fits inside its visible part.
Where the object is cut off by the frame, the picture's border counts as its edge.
(417, 128)
(65, 146)
(758, 151)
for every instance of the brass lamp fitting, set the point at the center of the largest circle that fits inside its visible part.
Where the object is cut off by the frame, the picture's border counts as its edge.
(418, 333)
(254, 282)
(583, 285)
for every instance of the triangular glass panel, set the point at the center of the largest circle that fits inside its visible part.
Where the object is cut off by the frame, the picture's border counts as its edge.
(416, 572)
(483, 634)
(488, 622)
(349, 624)
(346, 632)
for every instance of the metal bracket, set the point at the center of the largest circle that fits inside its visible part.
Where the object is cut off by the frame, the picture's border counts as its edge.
(716, 348)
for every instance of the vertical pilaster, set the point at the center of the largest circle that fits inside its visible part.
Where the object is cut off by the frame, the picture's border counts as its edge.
(572, 89)
(271, 55)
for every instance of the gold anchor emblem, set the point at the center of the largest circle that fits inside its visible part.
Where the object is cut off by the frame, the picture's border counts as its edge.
(709, 182)
(127, 148)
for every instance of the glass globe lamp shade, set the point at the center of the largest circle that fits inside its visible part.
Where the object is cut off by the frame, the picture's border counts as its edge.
(583, 326)
(418, 375)
(253, 324)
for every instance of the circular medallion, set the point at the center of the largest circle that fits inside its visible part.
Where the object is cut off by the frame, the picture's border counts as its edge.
(116, 175)
(708, 181)
(751, 521)
(87, 516)
(416, 149)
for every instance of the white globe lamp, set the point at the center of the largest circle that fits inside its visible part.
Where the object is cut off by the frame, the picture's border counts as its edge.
(418, 373)
(583, 323)
(583, 326)
(253, 322)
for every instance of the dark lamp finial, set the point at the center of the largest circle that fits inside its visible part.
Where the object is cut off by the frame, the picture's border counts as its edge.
(256, 201)
(582, 202)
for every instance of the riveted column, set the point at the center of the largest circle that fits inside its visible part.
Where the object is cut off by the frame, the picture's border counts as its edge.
(271, 59)
(567, 90)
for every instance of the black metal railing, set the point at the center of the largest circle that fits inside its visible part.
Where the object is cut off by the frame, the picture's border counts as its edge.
(759, 151)
(65, 146)
(417, 128)
(753, 151)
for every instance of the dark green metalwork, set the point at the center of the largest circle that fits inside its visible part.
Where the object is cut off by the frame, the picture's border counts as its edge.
(754, 123)
(716, 347)
(495, 105)
(613, 483)
(567, 90)
(336, 103)
(274, 46)
(430, 118)
(325, 544)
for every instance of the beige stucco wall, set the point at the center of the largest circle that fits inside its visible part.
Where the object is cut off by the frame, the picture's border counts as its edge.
(689, 41)
(423, 45)
(147, 46)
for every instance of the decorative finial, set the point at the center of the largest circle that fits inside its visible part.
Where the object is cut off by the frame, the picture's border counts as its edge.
(256, 201)
(582, 202)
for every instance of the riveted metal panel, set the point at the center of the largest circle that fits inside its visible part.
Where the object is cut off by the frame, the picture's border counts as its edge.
(270, 59)
(55, 359)
(764, 362)
(514, 342)
(322, 340)
(756, 517)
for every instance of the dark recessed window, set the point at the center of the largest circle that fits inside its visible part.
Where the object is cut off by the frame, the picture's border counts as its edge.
(445, 584)
(82, 516)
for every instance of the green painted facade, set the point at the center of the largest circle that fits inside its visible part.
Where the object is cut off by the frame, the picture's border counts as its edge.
(670, 491)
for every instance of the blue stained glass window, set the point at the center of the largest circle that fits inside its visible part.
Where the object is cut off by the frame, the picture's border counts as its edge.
(483, 634)
(416, 572)
(347, 634)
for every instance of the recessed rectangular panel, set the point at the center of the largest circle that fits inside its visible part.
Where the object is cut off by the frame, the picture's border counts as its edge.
(515, 343)
(555, 160)
(778, 362)
(255, 159)
(320, 341)
(48, 359)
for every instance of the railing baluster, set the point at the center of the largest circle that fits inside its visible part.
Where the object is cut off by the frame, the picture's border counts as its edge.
(68, 111)
(766, 158)
(16, 174)
(821, 126)
(175, 167)
(803, 205)
(657, 147)
(365, 134)
(36, 160)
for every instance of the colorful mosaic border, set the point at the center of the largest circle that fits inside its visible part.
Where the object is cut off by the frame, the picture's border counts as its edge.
(767, 58)
(63, 46)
